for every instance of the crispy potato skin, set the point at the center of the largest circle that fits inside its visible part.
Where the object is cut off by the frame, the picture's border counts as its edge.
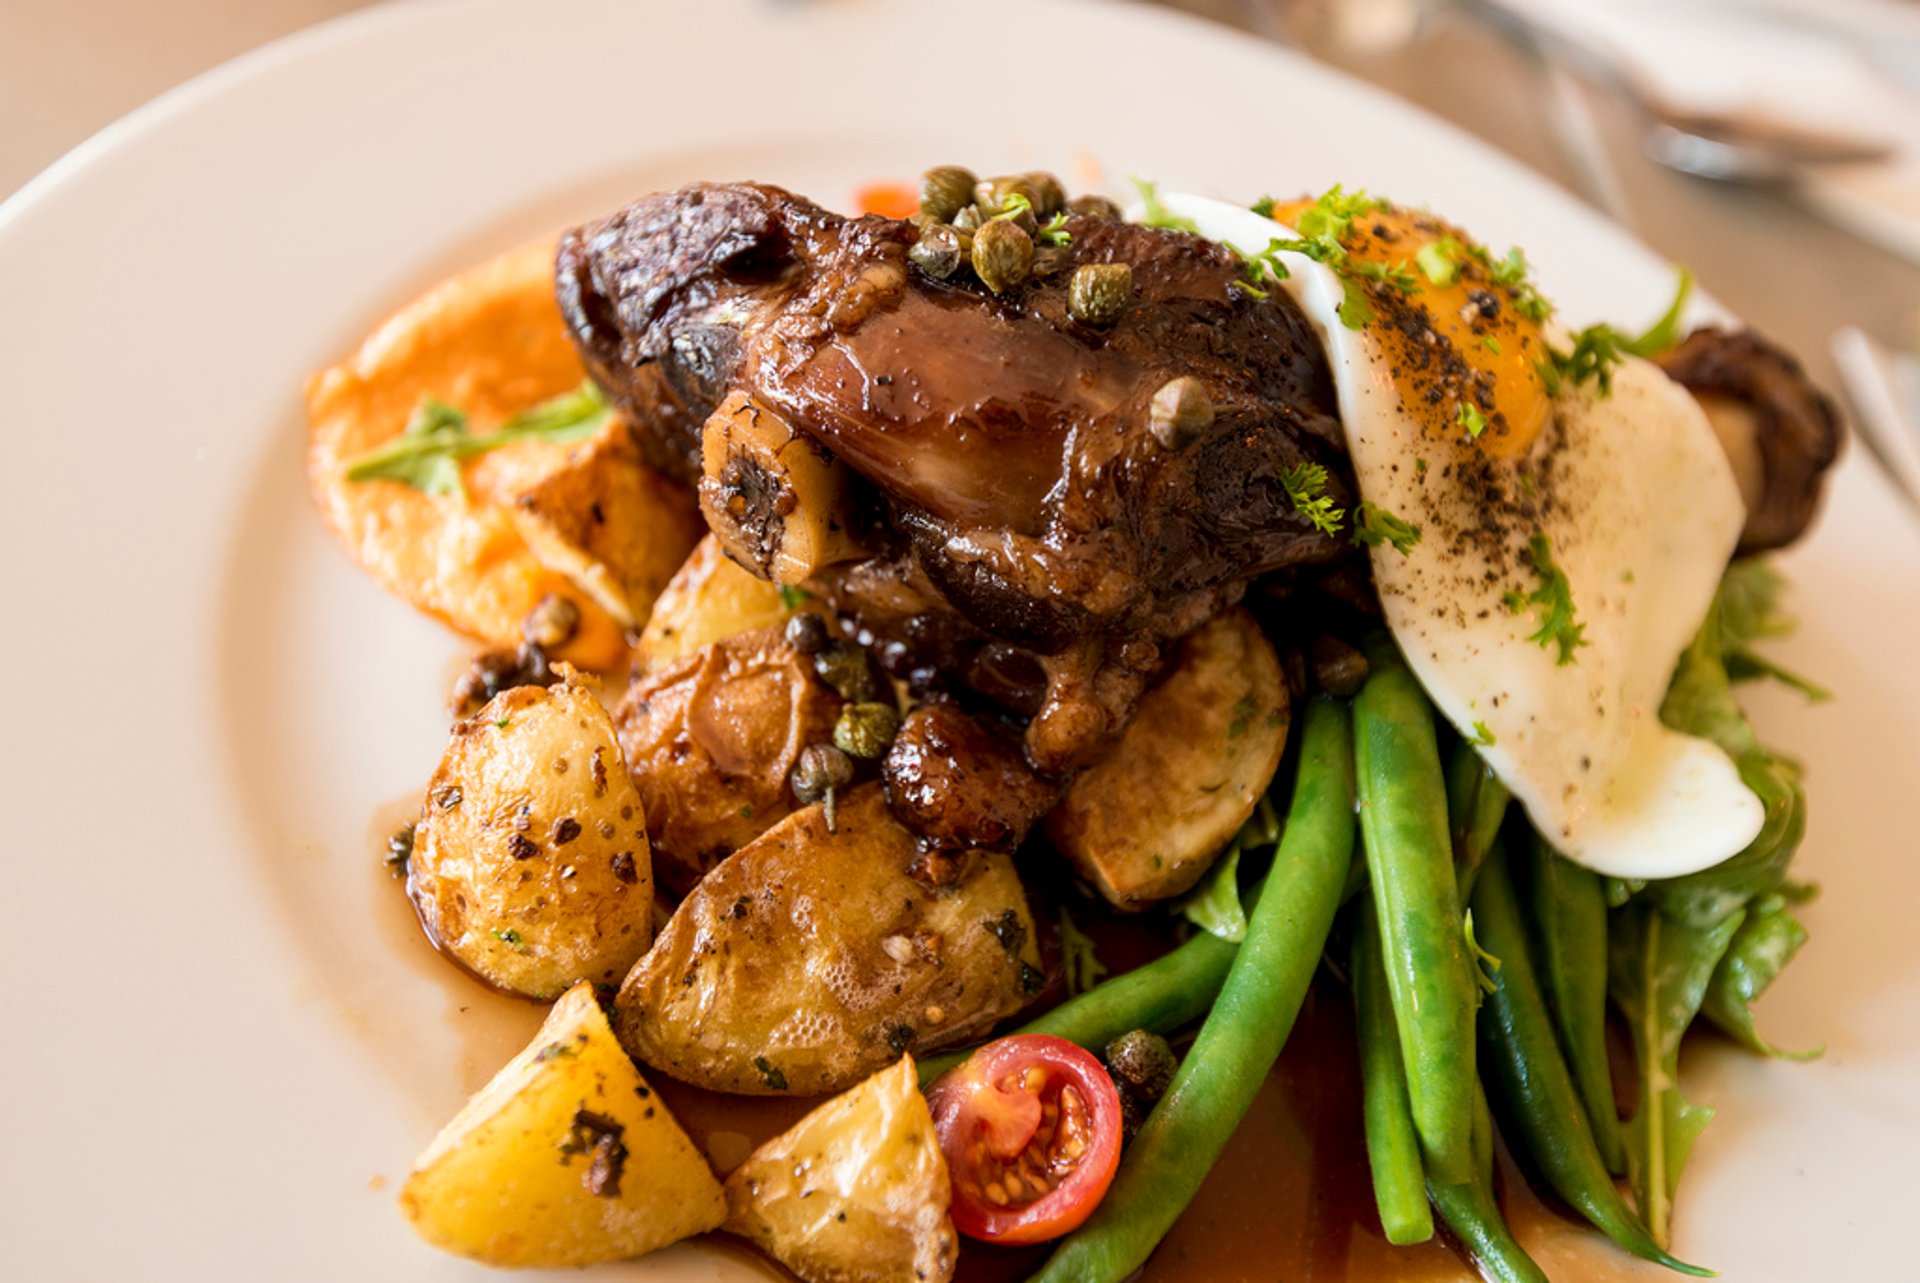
(491, 342)
(530, 863)
(517, 1179)
(855, 1192)
(1145, 822)
(810, 958)
(711, 739)
(708, 599)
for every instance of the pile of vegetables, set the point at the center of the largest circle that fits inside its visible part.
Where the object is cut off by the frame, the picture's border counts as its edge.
(1480, 964)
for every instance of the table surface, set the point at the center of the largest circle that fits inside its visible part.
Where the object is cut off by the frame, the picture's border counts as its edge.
(67, 70)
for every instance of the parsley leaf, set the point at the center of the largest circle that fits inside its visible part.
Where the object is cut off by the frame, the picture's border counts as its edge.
(1470, 418)
(428, 454)
(1306, 485)
(1599, 348)
(1375, 526)
(1511, 273)
(1481, 737)
(1556, 595)
(1263, 207)
(1439, 261)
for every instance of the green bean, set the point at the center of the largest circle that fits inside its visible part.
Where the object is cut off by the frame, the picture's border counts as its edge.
(1471, 1213)
(1167, 994)
(1242, 1036)
(1530, 1079)
(1403, 817)
(1476, 805)
(1570, 924)
(1393, 1148)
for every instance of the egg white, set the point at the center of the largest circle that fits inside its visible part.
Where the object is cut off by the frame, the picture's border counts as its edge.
(1644, 514)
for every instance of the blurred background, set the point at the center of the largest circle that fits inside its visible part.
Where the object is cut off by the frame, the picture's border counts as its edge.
(1771, 145)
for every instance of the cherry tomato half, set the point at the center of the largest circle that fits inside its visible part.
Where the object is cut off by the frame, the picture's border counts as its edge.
(1030, 1126)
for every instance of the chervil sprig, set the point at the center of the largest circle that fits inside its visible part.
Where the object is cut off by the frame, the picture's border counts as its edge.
(1306, 485)
(1374, 525)
(1555, 594)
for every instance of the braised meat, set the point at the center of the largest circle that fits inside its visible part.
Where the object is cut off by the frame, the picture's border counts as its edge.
(1781, 432)
(1023, 493)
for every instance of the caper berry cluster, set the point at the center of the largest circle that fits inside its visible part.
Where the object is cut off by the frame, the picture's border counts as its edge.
(866, 725)
(1009, 230)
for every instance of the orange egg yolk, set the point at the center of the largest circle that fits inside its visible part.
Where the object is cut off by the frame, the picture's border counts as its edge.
(1464, 355)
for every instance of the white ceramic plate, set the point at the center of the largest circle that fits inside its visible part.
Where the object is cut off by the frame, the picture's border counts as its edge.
(223, 1042)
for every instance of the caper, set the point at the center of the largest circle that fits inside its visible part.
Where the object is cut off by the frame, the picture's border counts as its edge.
(819, 770)
(1002, 255)
(969, 218)
(941, 251)
(1181, 411)
(850, 671)
(944, 191)
(552, 622)
(1095, 207)
(1051, 260)
(1099, 292)
(995, 195)
(807, 633)
(1142, 1064)
(1338, 668)
(865, 730)
(1049, 197)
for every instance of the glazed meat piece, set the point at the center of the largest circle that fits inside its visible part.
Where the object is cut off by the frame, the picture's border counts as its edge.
(1780, 431)
(998, 493)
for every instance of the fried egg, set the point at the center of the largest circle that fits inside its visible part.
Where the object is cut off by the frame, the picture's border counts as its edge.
(1569, 541)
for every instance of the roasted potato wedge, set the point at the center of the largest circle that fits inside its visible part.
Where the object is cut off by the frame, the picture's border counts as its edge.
(491, 342)
(565, 1158)
(711, 739)
(855, 1192)
(596, 514)
(530, 863)
(1146, 821)
(711, 598)
(811, 957)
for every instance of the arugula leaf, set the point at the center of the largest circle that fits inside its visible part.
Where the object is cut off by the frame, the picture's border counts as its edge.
(1745, 666)
(1761, 949)
(1214, 905)
(1157, 214)
(1709, 942)
(1658, 972)
(428, 454)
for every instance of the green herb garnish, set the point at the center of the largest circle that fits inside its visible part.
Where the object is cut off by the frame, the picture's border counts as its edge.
(1599, 348)
(428, 454)
(1470, 418)
(1375, 525)
(1157, 214)
(1555, 594)
(1439, 261)
(1306, 485)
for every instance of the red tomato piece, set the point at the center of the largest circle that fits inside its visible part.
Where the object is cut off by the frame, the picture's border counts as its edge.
(1030, 1126)
(890, 200)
